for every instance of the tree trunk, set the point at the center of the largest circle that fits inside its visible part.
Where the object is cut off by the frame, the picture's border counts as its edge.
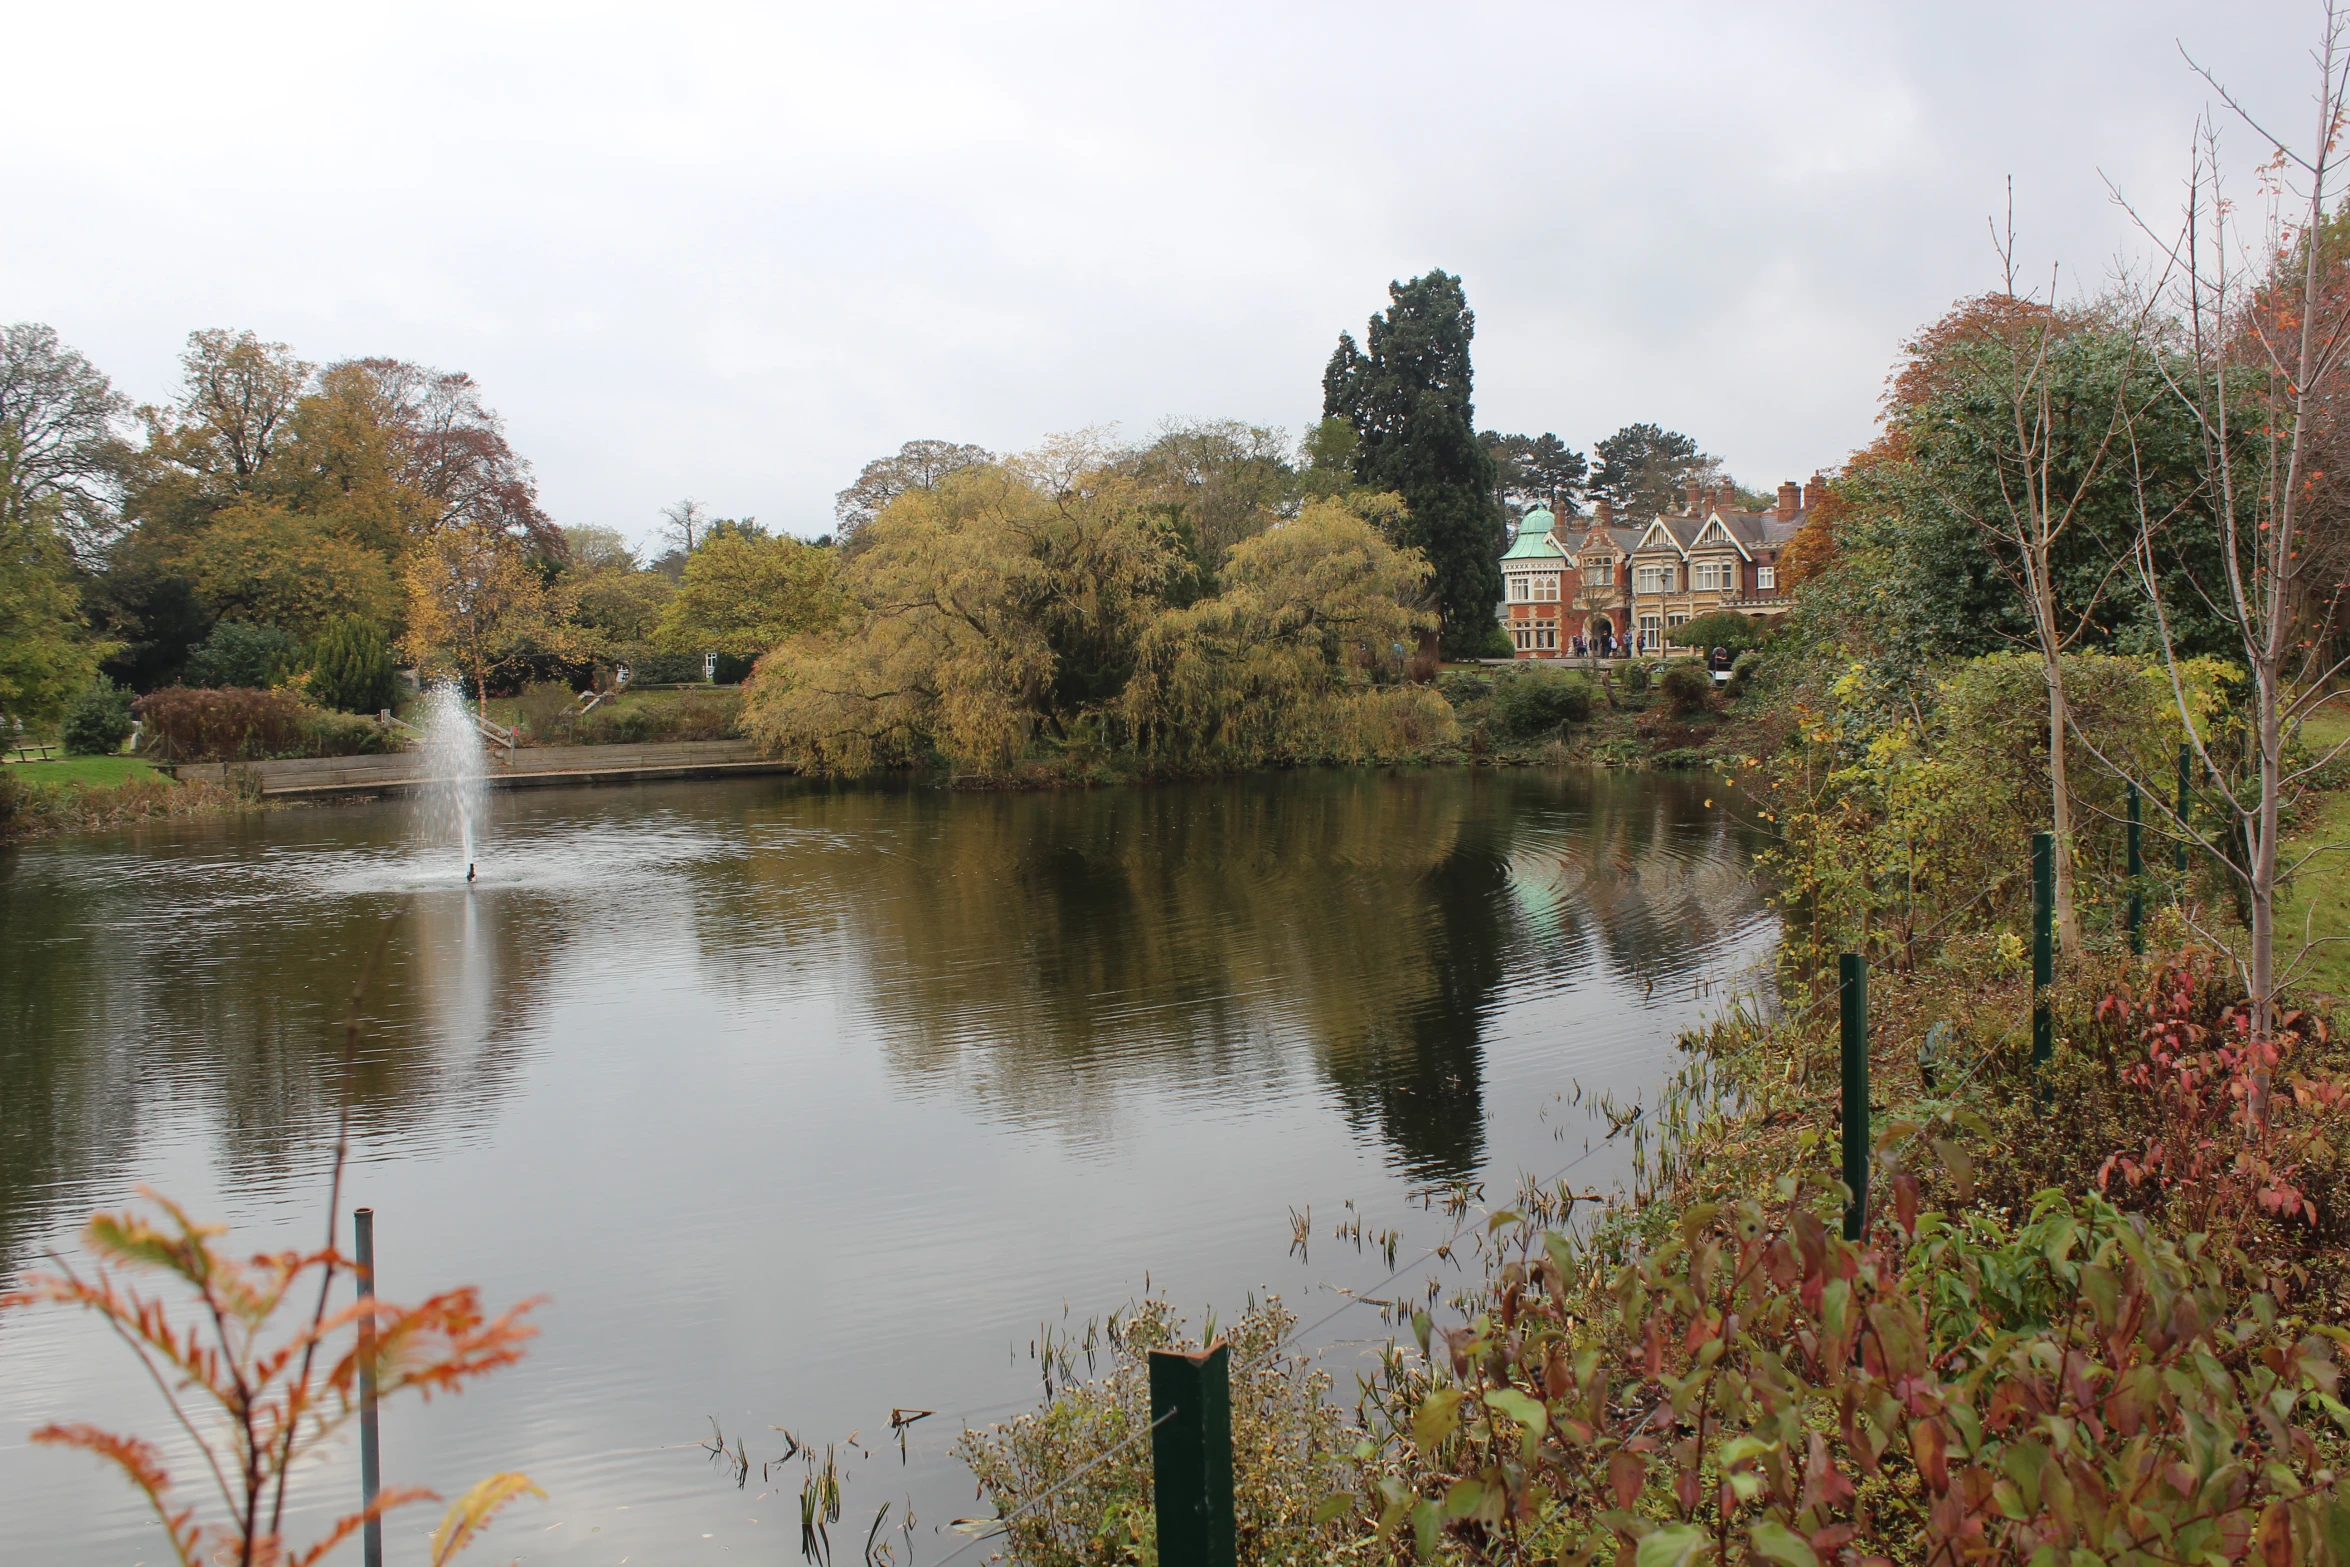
(2060, 800)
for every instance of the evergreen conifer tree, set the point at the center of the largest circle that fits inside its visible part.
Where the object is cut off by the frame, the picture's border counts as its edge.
(1408, 400)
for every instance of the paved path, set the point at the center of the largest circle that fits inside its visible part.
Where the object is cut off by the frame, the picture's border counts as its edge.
(404, 771)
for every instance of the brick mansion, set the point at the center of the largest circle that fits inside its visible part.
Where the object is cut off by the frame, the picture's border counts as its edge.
(1620, 586)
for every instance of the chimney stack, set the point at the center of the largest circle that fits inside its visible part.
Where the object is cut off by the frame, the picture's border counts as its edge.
(1814, 492)
(1790, 500)
(1607, 513)
(1696, 500)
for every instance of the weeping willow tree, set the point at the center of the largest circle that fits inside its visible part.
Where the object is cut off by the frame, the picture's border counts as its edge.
(1039, 603)
(998, 608)
(1295, 659)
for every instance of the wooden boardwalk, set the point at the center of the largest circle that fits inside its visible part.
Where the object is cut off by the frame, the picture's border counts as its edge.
(404, 772)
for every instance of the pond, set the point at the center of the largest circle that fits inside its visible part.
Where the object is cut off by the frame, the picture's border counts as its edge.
(800, 1104)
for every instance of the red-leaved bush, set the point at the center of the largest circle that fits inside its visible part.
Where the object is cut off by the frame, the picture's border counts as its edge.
(238, 723)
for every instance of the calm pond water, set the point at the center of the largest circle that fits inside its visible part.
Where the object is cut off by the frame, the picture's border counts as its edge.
(800, 1104)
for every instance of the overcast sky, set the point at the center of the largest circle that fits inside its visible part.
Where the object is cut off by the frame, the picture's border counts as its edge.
(736, 251)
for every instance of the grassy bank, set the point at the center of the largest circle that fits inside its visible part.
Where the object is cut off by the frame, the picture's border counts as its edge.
(80, 793)
(2317, 903)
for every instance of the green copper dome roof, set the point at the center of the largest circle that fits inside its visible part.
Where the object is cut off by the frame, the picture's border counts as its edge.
(1534, 541)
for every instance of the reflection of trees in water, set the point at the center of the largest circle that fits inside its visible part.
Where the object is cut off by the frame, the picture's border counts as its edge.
(1040, 951)
(153, 995)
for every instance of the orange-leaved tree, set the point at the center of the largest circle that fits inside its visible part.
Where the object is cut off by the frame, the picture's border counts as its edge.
(256, 1397)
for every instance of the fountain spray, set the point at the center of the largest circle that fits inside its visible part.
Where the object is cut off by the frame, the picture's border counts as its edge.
(453, 767)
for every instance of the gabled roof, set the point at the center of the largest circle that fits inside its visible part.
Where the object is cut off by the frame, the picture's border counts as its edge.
(1622, 540)
(1668, 533)
(1719, 529)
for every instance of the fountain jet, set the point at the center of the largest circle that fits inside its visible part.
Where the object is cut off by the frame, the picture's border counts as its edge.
(454, 792)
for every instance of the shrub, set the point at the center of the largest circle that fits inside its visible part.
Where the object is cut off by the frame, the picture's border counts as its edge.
(1634, 675)
(238, 653)
(238, 724)
(1288, 1452)
(345, 734)
(1721, 629)
(1689, 687)
(1460, 687)
(99, 721)
(351, 668)
(2059, 1386)
(1681, 758)
(548, 709)
(1534, 702)
(692, 715)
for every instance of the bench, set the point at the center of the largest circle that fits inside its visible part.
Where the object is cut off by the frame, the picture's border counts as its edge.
(28, 752)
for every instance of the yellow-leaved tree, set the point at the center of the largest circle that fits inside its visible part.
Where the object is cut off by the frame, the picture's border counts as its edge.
(1296, 659)
(745, 593)
(475, 604)
(1004, 605)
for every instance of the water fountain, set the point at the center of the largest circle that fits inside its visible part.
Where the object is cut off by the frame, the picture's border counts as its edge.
(454, 789)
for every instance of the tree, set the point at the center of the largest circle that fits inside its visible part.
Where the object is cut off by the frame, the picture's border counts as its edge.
(1537, 470)
(475, 606)
(746, 594)
(46, 654)
(1280, 664)
(1222, 481)
(236, 403)
(1327, 456)
(1000, 606)
(1643, 469)
(590, 549)
(99, 721)
(1724, 628)
(682, 523)
(918, 465)
(449, 454)
(351, 668)
(241, 654)
(262, 561)
(1408, 398)
(2261, 366)
(58, 416)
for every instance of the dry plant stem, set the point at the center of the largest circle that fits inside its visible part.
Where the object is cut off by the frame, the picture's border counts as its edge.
(334, 1196)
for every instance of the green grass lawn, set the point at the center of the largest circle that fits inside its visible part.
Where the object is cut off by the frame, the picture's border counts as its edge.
(100, 771)
(2318, 902)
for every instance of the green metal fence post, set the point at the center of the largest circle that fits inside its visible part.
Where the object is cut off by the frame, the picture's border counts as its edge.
(2043, 947)
(2186, 805)
(1191, 1457)
(371, 1533)
(1852, 979)
(2137, 873)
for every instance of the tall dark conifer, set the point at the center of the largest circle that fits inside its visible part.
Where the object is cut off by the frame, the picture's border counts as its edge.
(1408, 400)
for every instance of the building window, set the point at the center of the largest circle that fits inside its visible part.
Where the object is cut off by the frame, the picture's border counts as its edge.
(1713, 576)
(1547, 588)
(1652, 633)
(1676, 620)
(1652, 579)
(1517, 588)
(1603, 572)
(1766, 579)
(1519, 637)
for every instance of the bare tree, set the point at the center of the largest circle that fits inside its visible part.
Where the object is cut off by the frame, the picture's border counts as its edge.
(2048, 464)
(683, 523)
(2256, 354)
